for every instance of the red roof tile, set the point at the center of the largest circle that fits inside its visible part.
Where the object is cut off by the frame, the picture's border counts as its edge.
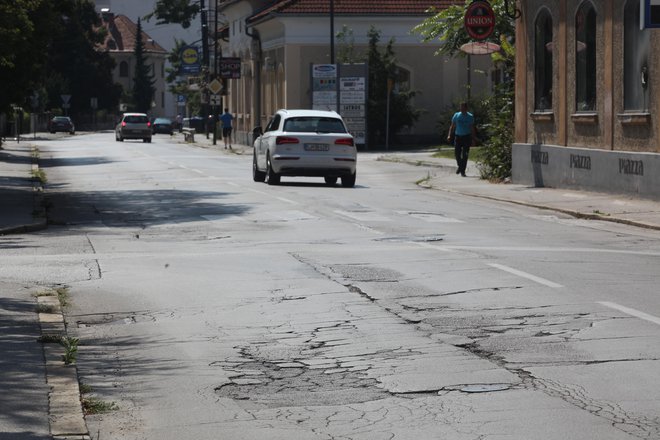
(122, 35)
(353, 7)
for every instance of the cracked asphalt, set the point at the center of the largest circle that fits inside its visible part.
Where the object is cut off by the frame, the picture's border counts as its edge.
(211, 306)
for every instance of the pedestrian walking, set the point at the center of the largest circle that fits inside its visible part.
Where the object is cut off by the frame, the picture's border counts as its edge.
(463, 133)
(226, 118)
(179, 122)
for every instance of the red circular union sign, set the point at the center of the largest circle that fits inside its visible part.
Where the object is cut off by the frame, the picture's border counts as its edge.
(479, 20)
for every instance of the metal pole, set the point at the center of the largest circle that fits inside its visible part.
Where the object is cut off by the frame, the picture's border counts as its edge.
(215, 72)
(205, 61)
(332, 31)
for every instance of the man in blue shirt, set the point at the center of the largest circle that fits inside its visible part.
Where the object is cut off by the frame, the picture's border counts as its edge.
(226, 119)
(465, 135)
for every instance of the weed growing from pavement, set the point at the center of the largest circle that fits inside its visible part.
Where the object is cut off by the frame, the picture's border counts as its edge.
(85, 389)
(426, 179)
(40, 175)
(93, 405)
(597, 212)
(63, 295)
(70, 349)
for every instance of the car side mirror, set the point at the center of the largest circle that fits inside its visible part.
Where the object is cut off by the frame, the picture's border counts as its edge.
(257, 132)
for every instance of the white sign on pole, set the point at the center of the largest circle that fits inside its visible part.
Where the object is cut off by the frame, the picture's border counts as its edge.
(65, 99)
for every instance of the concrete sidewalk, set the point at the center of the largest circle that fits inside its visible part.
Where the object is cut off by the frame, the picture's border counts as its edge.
(617, 208)
(20, 195)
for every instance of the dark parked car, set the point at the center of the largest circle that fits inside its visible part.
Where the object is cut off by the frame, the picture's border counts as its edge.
(61, 123)
(163, 125)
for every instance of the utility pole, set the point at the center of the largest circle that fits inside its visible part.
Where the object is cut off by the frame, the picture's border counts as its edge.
(332, 31)
(205, 62)
(215, 71)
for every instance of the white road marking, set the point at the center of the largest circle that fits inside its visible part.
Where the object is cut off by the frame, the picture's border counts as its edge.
(282, 199)
(364, 216)
(430, 246)
(292, 215)
(529, 276)
(631, 312)
(430, 217)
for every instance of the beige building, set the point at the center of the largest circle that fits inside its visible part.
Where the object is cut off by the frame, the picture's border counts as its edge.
(278, 44)
(120, 43)
(587, 97)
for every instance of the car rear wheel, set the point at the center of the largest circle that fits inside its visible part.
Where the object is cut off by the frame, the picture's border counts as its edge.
(257, 176)
(348, 181)
(331, 181)
(272, 178)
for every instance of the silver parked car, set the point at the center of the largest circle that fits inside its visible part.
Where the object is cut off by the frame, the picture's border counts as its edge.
(133, 126)
(304, 143)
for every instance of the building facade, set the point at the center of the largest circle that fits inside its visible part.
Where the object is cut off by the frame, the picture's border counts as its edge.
(278, 42)
(587, 97)
(120, 44)
(165, 34)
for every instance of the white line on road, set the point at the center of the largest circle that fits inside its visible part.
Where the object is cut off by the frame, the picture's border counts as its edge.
(526, 275)
(282, 199)
(631, 312)
(430, 246)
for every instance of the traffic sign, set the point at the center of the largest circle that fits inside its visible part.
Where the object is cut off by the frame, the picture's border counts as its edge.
(479, 20)
(215, 86)
(216, 99)
(65, 99)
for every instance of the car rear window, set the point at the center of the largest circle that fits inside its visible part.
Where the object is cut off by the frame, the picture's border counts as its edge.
(314, 124)
(132, 119)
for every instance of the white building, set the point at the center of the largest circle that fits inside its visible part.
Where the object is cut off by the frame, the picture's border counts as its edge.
(164, 36)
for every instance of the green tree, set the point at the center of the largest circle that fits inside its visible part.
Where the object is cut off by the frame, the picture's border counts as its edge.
(447, 26)
(143, 80)
(24, 37)
(75, 65)
(383, 69)
(174, 11)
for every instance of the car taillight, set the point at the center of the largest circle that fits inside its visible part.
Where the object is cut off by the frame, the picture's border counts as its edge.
(123, 123)
(344, 141)
(148, 124)
(286, 140)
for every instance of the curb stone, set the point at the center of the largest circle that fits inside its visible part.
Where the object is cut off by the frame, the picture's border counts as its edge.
(65, 414)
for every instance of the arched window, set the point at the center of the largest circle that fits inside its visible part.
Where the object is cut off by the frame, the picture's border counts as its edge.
(585, 57)
(123, 69)
(636, 45)
(543, 61)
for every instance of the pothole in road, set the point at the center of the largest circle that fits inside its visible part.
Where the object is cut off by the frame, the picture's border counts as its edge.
(294, 384)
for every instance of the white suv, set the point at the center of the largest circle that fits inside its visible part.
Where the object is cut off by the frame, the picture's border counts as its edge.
(304, 143)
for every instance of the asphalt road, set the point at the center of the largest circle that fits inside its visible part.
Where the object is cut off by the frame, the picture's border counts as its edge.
(210, 306)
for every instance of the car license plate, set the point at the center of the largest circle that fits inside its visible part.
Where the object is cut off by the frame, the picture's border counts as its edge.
(317, 147)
